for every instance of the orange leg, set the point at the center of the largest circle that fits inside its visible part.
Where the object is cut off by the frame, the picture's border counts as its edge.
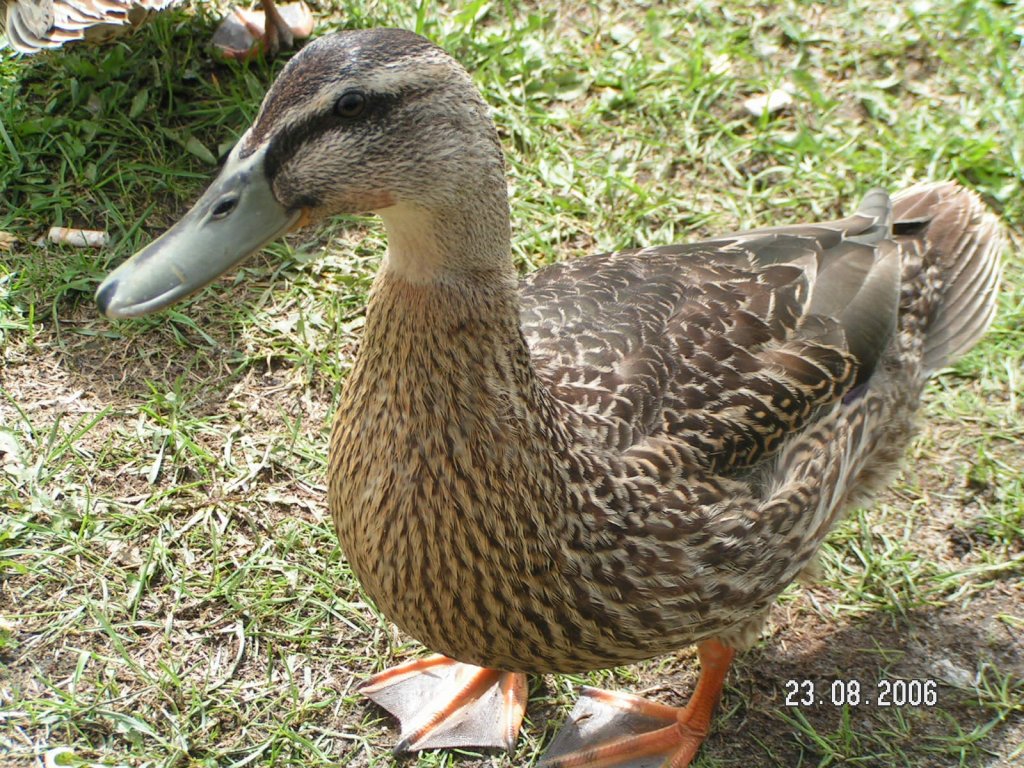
(615, 729)
(277, 34)
(443, 703)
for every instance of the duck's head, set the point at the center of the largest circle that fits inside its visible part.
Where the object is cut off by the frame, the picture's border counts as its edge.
(377, 121)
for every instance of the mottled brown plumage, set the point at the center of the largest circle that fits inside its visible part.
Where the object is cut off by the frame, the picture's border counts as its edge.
(33, 25)
(36, 25)
(619, 455)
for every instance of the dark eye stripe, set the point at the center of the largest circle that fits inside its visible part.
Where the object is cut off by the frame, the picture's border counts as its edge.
(289, 141)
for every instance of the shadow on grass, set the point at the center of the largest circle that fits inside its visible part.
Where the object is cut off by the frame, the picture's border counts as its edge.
(974, 658)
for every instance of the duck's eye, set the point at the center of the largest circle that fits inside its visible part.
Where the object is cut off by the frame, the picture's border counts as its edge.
(350, 104)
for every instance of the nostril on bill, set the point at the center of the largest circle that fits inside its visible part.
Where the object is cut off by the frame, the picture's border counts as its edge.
(224, 207)
(104, 295)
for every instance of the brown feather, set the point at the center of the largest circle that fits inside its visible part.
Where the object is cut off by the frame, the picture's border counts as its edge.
(34, 25)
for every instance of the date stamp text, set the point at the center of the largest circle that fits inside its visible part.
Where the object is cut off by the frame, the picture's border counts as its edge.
(854, 693)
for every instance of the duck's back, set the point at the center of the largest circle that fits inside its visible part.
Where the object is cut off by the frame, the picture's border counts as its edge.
(34, 25)
(733, 344)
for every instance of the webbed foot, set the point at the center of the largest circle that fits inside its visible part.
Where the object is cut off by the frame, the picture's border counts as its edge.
(443, 703)
(618, 729)
(246, 33)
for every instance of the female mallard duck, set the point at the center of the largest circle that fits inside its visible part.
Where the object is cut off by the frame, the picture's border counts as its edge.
(608, 460)
(35, 25)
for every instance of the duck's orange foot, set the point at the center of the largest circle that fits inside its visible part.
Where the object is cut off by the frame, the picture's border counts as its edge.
(441, 703)
(606, 728)
(617, 729)
(247, 33)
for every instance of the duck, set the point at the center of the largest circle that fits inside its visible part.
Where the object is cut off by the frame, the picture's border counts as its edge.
(610, 459)
(32, 26)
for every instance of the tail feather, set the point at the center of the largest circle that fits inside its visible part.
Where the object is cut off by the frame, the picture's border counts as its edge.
(959, 244)
(963, 321)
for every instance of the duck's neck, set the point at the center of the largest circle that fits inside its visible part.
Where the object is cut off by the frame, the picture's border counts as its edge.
(465, 242)
(445, 273)
(446, 352)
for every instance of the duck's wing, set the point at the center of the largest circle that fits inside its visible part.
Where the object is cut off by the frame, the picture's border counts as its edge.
(34, 25)
(729, 344)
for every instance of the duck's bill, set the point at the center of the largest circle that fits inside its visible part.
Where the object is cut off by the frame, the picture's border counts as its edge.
(234, 218)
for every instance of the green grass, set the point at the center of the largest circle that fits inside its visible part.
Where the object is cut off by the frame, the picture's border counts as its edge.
(171, 593)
